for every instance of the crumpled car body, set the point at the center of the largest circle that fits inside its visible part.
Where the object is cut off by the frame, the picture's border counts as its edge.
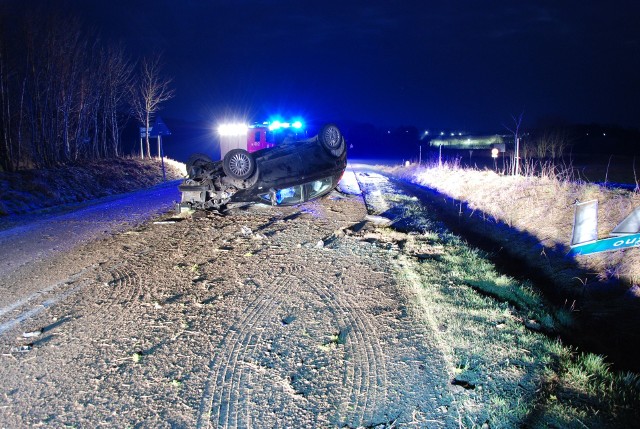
(290, 173)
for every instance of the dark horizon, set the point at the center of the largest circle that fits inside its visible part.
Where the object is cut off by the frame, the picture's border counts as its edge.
(466, 67)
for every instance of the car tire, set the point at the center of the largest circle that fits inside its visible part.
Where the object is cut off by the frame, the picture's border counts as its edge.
(332, 140)
(238, 164)
(195, 163)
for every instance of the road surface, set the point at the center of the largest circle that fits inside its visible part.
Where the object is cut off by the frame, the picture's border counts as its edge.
(267, 317)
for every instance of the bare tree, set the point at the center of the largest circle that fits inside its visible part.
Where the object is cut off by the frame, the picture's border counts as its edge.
(118, 79)
(515, 130)
(7, 158)
(148, 93)
(58, 104)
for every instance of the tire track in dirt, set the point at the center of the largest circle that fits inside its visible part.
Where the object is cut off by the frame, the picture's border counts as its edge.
(227, 399)
(364, 346)
(236, 389)
(225, 361)
(329, 304)
(251, 341)
(284, 390)
(114, 297)
(43, 299)
(285, 301)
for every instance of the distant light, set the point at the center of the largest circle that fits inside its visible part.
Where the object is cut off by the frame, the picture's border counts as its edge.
(233, 129)
(441, 133)
(459, 134)
(494, 152)
(453, 134)
(426, 133)
(297, 124)
(274, 125)
(604, 134)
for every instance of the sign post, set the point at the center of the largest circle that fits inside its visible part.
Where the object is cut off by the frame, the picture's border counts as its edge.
(143, 135)
(158, 130)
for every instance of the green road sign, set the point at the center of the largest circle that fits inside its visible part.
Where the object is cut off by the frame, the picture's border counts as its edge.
(607, 245)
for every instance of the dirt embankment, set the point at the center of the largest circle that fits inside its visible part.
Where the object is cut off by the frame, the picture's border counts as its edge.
(29, 190)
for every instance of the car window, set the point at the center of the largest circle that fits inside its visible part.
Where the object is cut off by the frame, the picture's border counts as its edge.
(298, 193)
(317, 187)
(290, 195)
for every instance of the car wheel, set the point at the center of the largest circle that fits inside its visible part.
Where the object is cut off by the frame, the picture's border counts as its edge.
(238, 164)
(195, 163)
(331, 139)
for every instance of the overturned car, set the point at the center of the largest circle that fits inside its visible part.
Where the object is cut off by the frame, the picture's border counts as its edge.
(290, 173)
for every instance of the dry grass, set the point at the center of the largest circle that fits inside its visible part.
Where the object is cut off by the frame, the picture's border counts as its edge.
(498, 335)
(515, 375)
(541, 205)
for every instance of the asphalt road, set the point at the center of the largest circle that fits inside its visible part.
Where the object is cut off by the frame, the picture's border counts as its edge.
(35, 238)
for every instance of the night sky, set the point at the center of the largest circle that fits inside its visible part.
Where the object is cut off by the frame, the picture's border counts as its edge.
(467, 65)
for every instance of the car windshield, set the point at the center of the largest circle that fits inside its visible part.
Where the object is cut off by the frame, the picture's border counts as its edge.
(298, 193)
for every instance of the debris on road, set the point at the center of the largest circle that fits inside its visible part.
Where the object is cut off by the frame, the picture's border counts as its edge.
(22, 349)
(31, 334)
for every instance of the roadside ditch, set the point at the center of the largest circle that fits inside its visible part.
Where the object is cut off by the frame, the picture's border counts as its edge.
(604, 312)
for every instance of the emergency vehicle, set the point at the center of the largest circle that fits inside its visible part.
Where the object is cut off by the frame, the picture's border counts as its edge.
(258, 135)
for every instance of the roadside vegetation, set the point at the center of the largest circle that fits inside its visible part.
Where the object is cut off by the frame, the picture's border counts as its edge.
(541, 203)
(25, 191)
(501, 337)
(590, 303)
(61, 106)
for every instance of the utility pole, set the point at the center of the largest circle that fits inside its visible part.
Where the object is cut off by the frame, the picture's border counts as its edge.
(161, 153)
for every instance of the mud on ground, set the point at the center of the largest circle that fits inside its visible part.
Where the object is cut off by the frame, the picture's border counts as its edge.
(267, 317)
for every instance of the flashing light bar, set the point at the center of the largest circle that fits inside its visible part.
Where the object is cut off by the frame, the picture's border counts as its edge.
(276, 125)
(239, 129)
(233, 129)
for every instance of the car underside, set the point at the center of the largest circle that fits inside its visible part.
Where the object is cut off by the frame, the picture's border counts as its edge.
(290, 173)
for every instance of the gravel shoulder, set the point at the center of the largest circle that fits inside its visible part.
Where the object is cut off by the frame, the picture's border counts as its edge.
(278, 317)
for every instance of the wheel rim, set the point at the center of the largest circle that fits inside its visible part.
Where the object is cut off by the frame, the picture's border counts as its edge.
(239, 164)
(332, 137)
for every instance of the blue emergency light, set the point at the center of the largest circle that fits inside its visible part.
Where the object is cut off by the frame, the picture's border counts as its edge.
(276, 125)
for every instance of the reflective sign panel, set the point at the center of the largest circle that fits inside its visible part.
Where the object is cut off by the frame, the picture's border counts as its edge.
(630, 225)
(585, 223)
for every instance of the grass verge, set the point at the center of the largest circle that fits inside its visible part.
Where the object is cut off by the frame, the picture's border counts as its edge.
(508, 366)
